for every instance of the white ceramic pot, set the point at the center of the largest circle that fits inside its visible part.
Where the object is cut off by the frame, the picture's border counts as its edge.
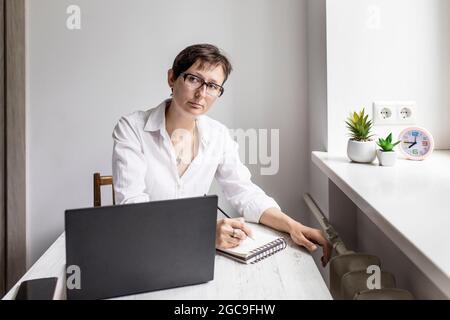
(386, 158)
(361, 151)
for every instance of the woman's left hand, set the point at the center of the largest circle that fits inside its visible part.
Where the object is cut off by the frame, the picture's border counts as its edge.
(309, 237)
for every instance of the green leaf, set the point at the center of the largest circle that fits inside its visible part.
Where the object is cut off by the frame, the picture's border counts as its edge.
(389, 138)
(359, 125)
(386, 144)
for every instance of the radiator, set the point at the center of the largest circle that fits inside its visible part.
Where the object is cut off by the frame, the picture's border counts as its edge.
(355, 276)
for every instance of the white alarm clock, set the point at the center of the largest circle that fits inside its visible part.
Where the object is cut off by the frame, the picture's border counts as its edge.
(416, 143)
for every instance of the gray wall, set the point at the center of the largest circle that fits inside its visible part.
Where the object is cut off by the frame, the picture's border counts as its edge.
(317, 106)
(80, 82)
(407, 275)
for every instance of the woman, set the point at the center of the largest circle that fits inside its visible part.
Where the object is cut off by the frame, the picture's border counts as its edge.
(175, 151)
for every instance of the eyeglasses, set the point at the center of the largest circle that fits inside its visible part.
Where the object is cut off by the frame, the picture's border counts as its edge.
(194, 82)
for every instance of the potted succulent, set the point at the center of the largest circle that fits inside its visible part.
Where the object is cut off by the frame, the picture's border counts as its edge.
(360, 147)
(386, 155)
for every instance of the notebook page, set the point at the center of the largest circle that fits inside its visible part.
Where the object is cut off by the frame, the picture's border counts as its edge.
(249, 244)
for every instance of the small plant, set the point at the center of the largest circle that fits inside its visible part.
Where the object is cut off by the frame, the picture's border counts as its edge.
(386, 144)
(359, 126)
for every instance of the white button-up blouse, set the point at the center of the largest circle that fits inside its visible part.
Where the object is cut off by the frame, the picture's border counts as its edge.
(145, 169)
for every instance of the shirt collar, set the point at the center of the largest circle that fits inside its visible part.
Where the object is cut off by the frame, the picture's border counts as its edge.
(157, 122)
(157, 118)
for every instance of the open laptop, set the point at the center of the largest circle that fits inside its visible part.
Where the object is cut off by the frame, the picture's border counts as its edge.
(134, 248)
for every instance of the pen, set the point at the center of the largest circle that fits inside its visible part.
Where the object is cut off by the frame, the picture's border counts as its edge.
(226, 215)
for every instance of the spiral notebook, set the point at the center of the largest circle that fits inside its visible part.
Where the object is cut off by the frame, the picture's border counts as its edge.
(252, 251)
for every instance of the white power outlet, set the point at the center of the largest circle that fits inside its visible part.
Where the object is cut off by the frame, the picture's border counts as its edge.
(407, 113)
(384, 113)
(394, 112)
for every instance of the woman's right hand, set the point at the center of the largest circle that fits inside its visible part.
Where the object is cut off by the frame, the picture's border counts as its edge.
(231, 232)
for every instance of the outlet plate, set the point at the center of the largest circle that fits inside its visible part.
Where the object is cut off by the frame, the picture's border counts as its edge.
(394, 112)
(407, 113)
(384, 113)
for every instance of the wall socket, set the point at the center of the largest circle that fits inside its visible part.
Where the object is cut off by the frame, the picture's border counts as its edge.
(394, 112)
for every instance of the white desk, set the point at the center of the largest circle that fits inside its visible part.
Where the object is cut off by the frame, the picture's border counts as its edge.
(289, 274)
(409, 202)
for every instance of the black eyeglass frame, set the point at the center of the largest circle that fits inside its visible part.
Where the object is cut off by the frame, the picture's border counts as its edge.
(185, 74)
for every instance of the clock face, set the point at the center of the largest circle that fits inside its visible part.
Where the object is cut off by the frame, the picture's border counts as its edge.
(416, 143)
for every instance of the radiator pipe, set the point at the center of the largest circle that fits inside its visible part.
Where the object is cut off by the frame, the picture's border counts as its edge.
(331, 234)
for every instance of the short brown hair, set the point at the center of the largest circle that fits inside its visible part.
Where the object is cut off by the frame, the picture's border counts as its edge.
(206, 54)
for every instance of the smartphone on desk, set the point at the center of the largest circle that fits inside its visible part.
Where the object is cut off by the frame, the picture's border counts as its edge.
(37, 289)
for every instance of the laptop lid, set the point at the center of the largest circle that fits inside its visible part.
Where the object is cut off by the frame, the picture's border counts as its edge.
(134, 248)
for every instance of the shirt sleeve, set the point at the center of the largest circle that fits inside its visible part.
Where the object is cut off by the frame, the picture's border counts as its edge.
(128, 164)
(235, 179)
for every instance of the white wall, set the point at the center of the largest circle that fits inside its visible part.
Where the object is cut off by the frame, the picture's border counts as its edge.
(405, 58)
(81, 82)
